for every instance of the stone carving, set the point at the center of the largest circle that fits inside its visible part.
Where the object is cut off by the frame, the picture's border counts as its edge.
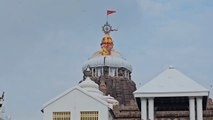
(119, 87)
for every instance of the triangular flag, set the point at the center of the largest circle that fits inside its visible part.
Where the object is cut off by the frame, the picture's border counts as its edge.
(110, 12)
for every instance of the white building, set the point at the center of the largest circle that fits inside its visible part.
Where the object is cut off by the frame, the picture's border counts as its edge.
(82, 102)
(172, 91)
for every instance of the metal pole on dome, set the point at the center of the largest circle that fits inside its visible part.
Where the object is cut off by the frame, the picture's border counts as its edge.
(107, 18)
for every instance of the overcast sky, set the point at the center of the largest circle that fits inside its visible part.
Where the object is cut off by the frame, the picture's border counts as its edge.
(44, 43)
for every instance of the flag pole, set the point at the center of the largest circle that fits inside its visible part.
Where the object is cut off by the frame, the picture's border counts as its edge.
(107, 19)
(110, 12)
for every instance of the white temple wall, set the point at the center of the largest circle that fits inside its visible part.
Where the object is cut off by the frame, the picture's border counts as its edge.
(75, 102)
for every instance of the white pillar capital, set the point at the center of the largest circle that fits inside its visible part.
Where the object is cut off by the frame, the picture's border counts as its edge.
(191, 97)
(151, 98)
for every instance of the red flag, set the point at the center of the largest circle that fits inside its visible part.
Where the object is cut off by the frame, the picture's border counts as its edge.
(110, 12)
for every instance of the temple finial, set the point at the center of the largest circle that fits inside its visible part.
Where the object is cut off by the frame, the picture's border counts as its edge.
(107, 43)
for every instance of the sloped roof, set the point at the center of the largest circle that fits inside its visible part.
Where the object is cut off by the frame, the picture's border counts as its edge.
(79, 89)
(171, 81)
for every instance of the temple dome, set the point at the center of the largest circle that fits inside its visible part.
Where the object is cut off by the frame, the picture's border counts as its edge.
(113, 60)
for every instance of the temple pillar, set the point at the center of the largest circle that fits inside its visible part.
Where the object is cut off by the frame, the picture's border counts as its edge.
(96, 72)
(99, 71)
(199, 108)
(113, 72)
(102, 70)
(143, 109)
(192, 108)
(110, 71)
(92, 70)
(151, 108)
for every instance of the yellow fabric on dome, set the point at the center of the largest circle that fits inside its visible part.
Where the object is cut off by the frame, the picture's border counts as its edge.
(106, 45)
